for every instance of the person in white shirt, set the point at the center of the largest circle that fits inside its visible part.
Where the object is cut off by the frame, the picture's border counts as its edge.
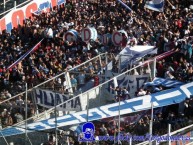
(168, 75)
(49, 32)
(141, 92)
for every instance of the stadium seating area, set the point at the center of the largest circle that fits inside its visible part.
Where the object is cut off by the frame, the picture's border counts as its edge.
(170, 30)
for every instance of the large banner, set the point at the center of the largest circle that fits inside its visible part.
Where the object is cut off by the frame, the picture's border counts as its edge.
(131, 82)
(132, 54)
(160, 99)
(49, 99)
(168, 83)
(17, 16)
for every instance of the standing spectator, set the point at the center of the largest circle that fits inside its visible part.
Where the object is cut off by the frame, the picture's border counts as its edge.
(7, 94)
(4, 113)
(125, 94)
(96, 81)
(20, 103)
(118, 93)
(187, 109)
(141, 92)
(18, 117)
(9, 120)
(189, 49)
(81, 79)
(74, 83)
(103, 130)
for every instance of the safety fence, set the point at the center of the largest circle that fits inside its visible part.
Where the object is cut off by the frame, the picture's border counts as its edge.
(174, 137)
(9, 5)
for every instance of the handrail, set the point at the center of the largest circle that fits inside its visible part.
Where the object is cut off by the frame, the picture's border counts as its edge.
(53, 78)
(100, 85)
(51, 109)
(5, 2)
(15, 7)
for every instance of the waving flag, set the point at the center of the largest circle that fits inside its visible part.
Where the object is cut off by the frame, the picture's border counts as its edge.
(155, 5)
(115, 82)
(25, 55)
(168, 83)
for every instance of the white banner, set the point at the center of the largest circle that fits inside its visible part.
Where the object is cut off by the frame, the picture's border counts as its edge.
(132, 54)
(131, 82)
(47, 99)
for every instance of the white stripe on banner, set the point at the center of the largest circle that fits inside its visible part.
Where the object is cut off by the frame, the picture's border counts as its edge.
(155, 5)
(25, 55)
(168, 95)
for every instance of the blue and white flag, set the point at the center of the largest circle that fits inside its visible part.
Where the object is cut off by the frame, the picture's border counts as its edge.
(155, 5)
(160, 99)
(164, 82)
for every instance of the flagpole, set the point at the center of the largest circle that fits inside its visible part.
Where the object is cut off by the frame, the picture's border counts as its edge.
(26, 113)
(119, 122)
(55, 112)
(169, 133)
(3, 5)
(151, 125)
(87, 119)
(154, 68)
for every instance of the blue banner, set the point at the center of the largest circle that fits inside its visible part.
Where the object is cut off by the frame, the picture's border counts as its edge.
(168, 83)
(49, 99)
(159, 99)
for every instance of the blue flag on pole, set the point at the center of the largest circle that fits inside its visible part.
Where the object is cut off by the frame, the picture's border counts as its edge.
(155, 5)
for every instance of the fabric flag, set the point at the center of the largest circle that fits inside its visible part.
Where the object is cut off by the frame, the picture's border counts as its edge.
(115, 82)
(25, 55)
(126, 6)
(164, 82)
(155, 5)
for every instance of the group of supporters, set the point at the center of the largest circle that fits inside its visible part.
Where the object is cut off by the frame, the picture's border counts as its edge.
(172, 29)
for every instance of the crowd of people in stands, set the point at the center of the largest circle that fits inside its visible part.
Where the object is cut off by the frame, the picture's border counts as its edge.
(134, 126)
(172, 29)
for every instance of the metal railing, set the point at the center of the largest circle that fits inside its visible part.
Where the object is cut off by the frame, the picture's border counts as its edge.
(16, 6)
(72, 69)
(51, 110)
(172, 133)
(44, 114)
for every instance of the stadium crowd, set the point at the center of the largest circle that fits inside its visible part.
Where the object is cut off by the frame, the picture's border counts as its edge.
(169, 30)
